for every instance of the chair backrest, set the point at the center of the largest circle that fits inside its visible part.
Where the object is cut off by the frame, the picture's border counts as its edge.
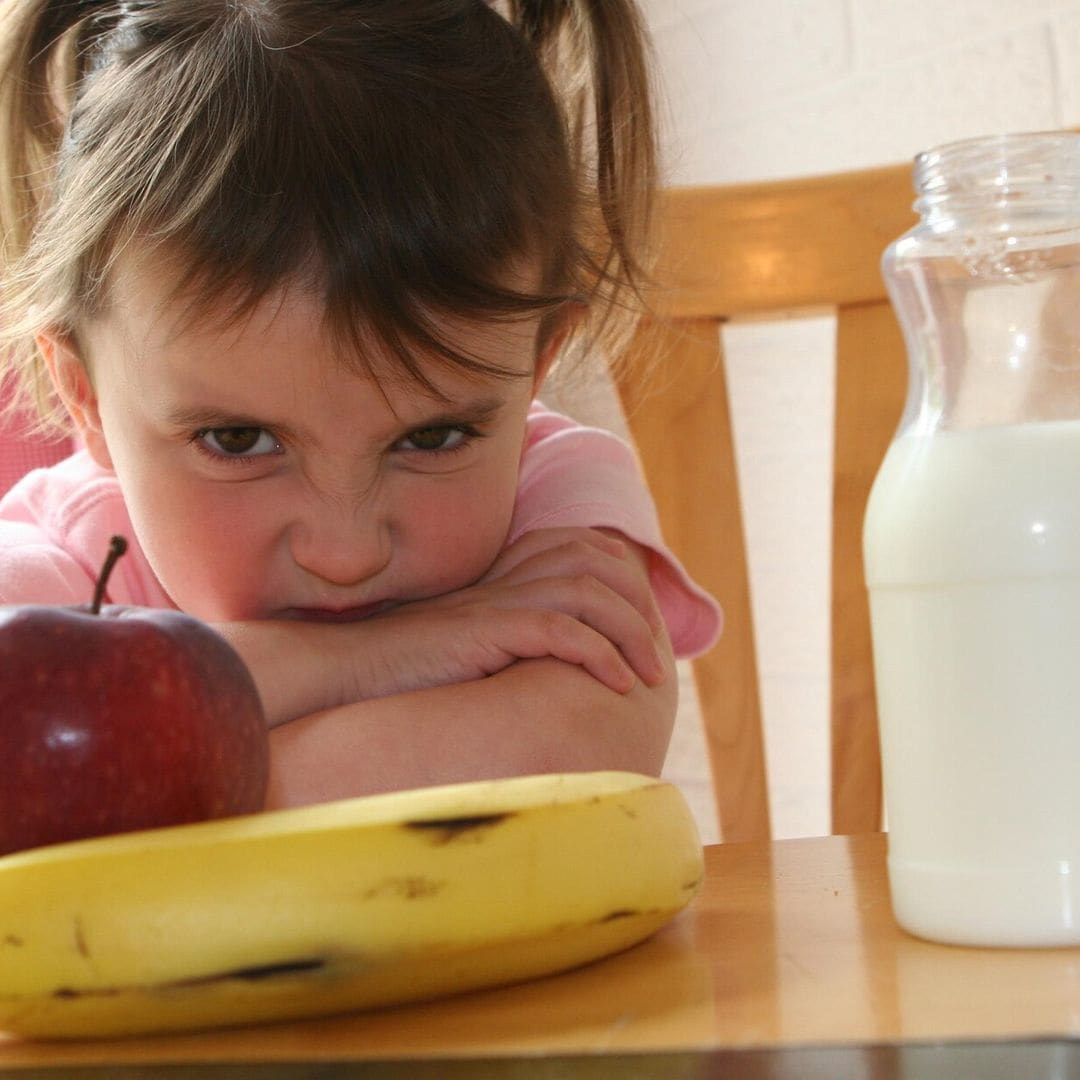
(752, 249)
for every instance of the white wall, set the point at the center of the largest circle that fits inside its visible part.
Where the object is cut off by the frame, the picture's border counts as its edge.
(769, 88)
(758, 89)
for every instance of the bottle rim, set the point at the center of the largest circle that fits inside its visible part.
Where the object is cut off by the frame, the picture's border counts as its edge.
(1037, 168)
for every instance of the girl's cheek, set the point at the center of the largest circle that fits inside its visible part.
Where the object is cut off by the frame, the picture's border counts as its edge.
(464, 534)
(205, 539)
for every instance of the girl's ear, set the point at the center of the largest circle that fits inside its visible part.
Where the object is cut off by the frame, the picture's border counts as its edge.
(552, 338)
(71, 380)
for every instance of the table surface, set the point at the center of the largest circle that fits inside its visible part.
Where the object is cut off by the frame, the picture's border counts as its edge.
(789, 946)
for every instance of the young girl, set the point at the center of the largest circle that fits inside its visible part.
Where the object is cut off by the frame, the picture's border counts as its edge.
(295, 271)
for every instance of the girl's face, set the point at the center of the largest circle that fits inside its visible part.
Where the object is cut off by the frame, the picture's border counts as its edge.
(266, 480)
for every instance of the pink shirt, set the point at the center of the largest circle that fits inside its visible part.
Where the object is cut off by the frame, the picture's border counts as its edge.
(56, 522)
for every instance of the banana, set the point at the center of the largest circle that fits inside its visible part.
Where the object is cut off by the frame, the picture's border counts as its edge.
(342, 906)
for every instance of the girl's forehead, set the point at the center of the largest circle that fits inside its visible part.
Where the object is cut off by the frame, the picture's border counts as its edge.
(159, 307)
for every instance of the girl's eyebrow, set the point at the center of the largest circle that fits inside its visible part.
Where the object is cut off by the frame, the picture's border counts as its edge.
(477, 411)
(209, 417)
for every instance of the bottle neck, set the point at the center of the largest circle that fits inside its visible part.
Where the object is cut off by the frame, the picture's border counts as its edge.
(985, 286)
(1025, 183)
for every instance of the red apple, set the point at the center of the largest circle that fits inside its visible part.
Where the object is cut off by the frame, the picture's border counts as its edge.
(114, 719)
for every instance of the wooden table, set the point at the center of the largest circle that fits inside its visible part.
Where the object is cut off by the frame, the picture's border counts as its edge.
(789, 948)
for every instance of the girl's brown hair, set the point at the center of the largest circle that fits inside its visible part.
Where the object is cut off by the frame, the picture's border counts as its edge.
(399, 155)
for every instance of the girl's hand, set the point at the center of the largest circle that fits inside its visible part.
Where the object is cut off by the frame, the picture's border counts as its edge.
(578, 595)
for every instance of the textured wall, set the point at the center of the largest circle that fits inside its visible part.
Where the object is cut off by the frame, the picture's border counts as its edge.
(766, 88)
(758, 89)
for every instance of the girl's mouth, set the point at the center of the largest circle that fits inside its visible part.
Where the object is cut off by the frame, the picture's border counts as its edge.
(334, 615)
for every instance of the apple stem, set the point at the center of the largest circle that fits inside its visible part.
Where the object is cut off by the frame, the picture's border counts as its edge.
(117, 547)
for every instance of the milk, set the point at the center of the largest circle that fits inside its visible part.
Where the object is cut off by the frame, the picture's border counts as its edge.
(972, 548)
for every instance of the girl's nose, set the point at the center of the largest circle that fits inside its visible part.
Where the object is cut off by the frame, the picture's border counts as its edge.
(342, 547)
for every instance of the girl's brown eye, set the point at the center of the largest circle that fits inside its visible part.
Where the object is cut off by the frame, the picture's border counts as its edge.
(433, 438)
(238, 440)
(438, 439)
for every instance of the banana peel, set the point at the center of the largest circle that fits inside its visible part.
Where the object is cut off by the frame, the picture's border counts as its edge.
(348, 905)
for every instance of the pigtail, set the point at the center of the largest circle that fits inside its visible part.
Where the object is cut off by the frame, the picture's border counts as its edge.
(44, 49)
(39, 60)
(597, 60)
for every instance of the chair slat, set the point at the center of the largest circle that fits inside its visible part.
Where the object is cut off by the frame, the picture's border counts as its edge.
(679, 417)
(775, 246)
(751, 250)
(871, 382)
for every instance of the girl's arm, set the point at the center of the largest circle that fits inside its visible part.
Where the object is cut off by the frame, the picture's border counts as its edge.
(574, 594)
(535, 715)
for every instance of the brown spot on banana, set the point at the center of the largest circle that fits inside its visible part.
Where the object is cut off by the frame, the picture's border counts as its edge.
(259, 973)
(408, 888)
(621, 913)
(80, 939)
(447, 830)
(630, 913)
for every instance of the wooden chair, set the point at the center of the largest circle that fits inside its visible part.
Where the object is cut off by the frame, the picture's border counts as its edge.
(751, 249)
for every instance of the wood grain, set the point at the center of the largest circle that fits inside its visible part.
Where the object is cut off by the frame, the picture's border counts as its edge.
(753, 248)
(871, 383)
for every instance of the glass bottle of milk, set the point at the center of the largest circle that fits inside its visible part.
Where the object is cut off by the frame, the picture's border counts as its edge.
(972, 550)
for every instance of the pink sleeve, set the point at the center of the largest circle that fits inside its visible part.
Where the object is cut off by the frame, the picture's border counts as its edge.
(55, 526)
(35, 571)
(573, 475)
